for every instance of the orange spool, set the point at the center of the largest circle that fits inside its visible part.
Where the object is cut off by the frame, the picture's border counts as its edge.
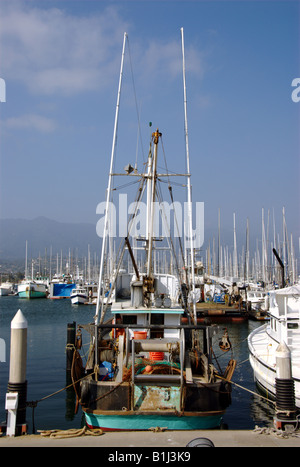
(156, 356)
(140, 334)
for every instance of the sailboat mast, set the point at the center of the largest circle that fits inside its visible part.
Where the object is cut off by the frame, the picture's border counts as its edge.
(26, 266)
(108, 193)
(188, 180)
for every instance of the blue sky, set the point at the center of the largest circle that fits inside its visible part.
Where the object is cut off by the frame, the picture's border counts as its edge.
(61, 59)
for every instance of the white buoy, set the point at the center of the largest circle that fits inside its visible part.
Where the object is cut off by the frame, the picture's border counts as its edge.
(18, 349)
(17, 384)
(283, 361)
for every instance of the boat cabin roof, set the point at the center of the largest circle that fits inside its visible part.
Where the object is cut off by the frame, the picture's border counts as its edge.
(126, 308)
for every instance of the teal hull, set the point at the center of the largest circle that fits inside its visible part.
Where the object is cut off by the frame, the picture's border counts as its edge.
(31, 294)
(145, 422)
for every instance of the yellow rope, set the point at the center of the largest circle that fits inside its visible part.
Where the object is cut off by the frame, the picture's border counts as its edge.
(66, 387)
(241, 387)
(72, 433)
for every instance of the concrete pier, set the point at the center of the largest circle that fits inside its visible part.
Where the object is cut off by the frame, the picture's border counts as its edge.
(166, 440)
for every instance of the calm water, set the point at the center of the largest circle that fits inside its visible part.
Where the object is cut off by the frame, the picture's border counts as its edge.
(46, 365)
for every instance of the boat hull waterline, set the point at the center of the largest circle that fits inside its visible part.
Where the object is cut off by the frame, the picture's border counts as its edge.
(32, 290)
(140, 422)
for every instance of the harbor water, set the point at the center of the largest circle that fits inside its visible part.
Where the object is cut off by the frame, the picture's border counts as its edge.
(46, 366)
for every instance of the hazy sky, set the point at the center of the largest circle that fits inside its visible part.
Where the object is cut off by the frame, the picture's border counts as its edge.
(61, 59)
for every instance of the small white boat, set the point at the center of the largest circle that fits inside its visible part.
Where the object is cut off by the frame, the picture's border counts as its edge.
(283, 327)
(79, 295)
(5, 289)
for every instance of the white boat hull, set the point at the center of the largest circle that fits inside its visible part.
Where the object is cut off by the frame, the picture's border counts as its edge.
(4, 291)
(79, 299)
(284, 326)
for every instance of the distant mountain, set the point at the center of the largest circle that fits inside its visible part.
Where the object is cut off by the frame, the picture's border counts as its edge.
(41, 234)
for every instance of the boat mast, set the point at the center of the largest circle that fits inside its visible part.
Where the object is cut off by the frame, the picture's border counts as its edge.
(108, 193)
(26, 266)
(235, 261)
(156, 135)
(188, 182)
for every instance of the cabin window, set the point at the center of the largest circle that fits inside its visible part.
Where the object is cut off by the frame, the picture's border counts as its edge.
(157, 319)
(129, 319)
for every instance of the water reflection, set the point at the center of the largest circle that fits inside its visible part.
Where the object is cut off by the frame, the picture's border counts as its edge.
(247, 409)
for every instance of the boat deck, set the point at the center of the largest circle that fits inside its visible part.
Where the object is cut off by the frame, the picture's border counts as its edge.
(219, 312)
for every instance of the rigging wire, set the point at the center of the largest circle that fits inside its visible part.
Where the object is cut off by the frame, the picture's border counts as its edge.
(135, 100)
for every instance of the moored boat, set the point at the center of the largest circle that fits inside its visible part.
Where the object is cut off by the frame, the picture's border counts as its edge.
(283, 327)
(150, 363)
(61, 286)
(79, 295)
(6, 288)
(32, 289)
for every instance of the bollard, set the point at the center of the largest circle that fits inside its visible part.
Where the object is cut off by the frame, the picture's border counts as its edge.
(285, 416)
(17, 383)
(11, 405)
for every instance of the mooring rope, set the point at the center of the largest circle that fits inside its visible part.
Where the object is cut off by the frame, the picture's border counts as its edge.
(246, 389)
(72, 433)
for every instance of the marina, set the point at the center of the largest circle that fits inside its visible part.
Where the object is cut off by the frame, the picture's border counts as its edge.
(46, 367)
(198, 347)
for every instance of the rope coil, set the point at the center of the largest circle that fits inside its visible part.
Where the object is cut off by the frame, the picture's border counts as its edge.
(72, 433)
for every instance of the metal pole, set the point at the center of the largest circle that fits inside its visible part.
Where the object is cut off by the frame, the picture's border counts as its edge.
(108, 193)
(188, 180)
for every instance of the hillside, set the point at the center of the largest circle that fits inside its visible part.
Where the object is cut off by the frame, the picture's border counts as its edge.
(41, 234)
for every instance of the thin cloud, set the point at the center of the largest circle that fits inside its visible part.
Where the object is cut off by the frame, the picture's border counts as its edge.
(164, 59)
(31, 121)
(53, 52)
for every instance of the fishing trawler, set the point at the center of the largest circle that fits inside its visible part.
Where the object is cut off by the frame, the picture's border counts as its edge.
(150, 363)
(32, 289)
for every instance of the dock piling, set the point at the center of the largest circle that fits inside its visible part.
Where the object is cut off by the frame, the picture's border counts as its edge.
(71, 337)
(285, 416)
(16, 396)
